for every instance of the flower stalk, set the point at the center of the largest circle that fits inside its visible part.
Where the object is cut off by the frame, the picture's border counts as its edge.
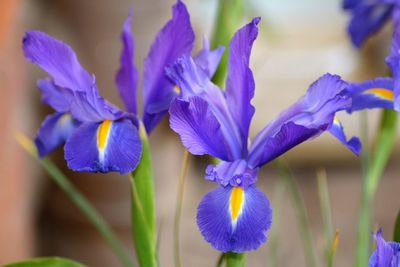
(178, 208)
(144, 231)
(383, 148)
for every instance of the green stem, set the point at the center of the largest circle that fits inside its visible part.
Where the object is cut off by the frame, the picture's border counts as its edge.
(277, 201)
(144, 231)
(301, 213)
(178, 208)
(383, 148)
(80, 201)
(235, 259)
(326, 213)
(396, 235)
(220, 261)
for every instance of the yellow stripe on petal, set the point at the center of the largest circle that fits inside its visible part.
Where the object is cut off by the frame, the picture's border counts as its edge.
(102, 136)
(382, 93)
(177, 89)
(236, 202)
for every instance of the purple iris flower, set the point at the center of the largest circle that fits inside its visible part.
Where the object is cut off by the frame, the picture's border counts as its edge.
(368, 16)
(236, 215)
(382, 92)
(387, 254)
(98, 136)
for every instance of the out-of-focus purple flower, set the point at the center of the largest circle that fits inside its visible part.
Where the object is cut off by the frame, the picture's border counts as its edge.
(382, 92)
(387, 254)
(236, 215)
(95, 132)
(368, 16)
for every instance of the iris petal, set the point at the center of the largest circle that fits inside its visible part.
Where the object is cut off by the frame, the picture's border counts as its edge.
(240, 82)
(377, 93)
(233, 219)
(307, 118)
(58, 60)
(104, 147)
(127, 75)
(354, 144)
(367, 19)
(58, 98)
(198, 128)
(173, 40)
(209, 60)
(386, 253)
(54, 131)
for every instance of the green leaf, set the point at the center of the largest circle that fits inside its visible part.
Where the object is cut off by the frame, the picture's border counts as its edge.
(396, 235)
(144, 230)
(45, 262)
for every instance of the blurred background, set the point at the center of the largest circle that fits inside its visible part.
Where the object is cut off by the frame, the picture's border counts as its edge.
(298, 42)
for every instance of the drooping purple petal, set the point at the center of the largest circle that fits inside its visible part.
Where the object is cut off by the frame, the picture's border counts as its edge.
(307, 118)
(354, 144)
(289, 136)
(235, 173)
(127, 75)
(367, 18)
(104, 147)
(377, 93)
(54, 131)
(175, 39)
(198, 128)
(240, 81)
(58, 98)
(233, 219)
(208, 60)
(58, 60)
(387, 254)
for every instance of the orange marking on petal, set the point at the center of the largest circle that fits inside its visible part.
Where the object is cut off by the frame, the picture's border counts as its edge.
(102, 133)
(382, 92)
(236, 202)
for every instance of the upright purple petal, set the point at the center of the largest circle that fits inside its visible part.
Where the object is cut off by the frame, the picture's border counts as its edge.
(104, 147)
(240, 81)
(307, 118)
(127, 75)
(54, 131)
(198, 128)
(387, 254)
(209, 60)
(367, 18)
(377, 93)
(58, 60)
(58, 98)
(233, 219)
(175, 39)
